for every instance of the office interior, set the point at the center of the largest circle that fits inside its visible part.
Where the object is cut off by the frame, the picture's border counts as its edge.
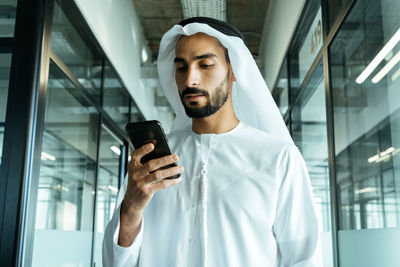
(74, 73)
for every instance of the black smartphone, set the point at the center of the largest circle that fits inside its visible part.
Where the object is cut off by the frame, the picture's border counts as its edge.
(144, 132)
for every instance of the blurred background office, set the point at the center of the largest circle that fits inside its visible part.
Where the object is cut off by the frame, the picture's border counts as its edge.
(73, 73)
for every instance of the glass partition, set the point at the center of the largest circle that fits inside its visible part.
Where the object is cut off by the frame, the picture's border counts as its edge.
(73, 48)
(64, 212)
(8, 11)
(135, 114)
(335, 7)
(306, 45)
(365, 75)
(281, 90)
(5, 63)
(116, 98)
(309, 132)
(107, 186)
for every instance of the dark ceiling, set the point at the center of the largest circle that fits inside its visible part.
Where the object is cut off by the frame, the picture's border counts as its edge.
(158, 16)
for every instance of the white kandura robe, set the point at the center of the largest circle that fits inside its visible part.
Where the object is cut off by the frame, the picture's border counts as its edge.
(259, 209)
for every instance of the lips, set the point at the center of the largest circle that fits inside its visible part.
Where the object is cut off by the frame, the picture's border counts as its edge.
(193, 96)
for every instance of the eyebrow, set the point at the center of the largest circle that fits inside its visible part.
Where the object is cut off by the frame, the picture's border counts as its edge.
(209, 55)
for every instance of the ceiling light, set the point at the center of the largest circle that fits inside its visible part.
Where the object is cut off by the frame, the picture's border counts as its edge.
(384, 155)
(45, 156)
(385, 70)
(116, 150)
(379, 57)
(366, 190)
(387, 151)
(145, 55)
(113, 188)
(374, 158)
(396, 75)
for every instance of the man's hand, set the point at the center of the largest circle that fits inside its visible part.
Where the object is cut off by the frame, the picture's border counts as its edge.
(144, 181)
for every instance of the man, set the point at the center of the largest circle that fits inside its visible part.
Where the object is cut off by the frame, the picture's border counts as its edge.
(244, 197)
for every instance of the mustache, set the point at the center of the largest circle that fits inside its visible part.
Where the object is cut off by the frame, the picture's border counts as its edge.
(193, 90)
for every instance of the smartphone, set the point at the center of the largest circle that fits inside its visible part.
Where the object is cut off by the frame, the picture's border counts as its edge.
(144, 132)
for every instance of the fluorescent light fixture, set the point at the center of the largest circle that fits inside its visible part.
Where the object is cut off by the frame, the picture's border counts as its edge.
(45, 156)
(366, 190)
(396, 75)
(384, 155)
(66, 189)
(145, 56)
(379, 57)
(385, 70)
(374, 158)
(387, 151)
(383, 158)
(113, 188)
(116, 150)
(61, 188)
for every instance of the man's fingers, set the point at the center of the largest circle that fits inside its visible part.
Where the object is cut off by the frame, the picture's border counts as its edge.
(165, 183)
(165, 173)
(137, 154)
(156, 164)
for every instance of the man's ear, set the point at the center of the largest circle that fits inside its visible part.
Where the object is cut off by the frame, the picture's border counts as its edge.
(232, 76)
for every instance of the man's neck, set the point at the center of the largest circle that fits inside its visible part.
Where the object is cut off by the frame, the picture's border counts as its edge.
(222, 121)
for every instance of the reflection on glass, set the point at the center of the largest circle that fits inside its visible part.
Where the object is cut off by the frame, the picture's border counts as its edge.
(281, 90)
(135, 113)
(64, 212)
(335, 7)
(8, 11)
(365, 72)
(5, 63)
(74, 50)
(306, 46)
(116, 98)
(310, 135)
(107, 187)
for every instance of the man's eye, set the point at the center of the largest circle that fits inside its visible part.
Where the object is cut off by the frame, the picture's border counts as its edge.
(181, 69)
(206, 66)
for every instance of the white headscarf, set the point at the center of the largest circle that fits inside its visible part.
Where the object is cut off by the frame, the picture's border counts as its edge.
(252, 101)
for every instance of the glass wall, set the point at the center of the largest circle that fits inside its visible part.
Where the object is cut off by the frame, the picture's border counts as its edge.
(300, 95)
(335, 7)
(281, 90)
(76, 51)
(309, 132)
(306, 45)
(67, 177)
(5, 62)
(83, 148)
(107, 186)
(8, 11)
(116, 98)
(365, 82)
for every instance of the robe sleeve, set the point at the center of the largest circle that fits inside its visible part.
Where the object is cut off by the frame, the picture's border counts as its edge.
(295, 226)
(113, 254)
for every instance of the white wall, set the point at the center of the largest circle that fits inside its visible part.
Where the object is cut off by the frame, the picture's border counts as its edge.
(280, 23)
(116, 26)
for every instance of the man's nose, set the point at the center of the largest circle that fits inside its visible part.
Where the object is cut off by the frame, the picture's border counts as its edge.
(192, 78)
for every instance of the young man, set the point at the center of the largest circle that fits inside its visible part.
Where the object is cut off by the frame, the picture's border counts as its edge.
(244, 197)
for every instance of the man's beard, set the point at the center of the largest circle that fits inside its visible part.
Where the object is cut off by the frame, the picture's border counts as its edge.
(213, 105)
